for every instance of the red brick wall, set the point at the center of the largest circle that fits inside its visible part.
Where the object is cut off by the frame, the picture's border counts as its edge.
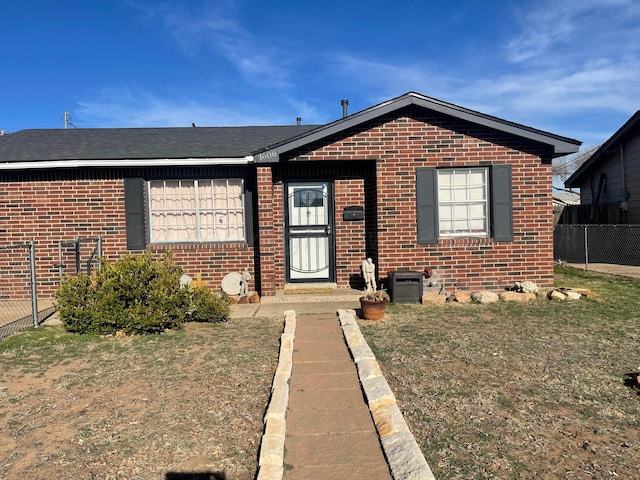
(50, 211)
(271, 233)
(400, 145)
(350, 235)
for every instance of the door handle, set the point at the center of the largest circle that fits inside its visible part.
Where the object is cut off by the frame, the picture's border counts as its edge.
(327, 229)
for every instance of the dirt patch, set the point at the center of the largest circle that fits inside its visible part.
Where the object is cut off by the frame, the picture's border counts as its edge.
(136, 407)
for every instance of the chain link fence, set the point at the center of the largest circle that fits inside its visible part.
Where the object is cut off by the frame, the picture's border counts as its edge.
(19, 308)
(613, 249)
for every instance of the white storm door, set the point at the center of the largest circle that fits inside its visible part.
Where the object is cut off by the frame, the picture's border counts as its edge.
(309, 232)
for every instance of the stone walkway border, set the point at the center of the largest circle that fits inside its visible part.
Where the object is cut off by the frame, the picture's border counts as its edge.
(271, 458)
(403, 454)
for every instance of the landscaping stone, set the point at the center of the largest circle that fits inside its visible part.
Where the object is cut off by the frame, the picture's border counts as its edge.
(378, 391)
(271, 472)
(405, 457)
(516, 296)
(271, 449)
(254, 298)
(389, 420)
(526, 287)
(433, 298)
(369, 369)
(556, 295)
(460, 296)
(571, 295)
(485, 297)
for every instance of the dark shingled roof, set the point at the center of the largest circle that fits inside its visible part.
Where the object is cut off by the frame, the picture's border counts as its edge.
(630, 129)
(142, 143)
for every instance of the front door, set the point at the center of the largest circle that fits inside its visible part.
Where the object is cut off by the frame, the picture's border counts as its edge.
(309, 230)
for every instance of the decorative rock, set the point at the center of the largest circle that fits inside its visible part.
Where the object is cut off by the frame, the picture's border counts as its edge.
(526, 287)
(271, 449)
(556, 295)
(516, 296)
(361, 352)
(433, 299)
(484, 297)
(460, 296)
(369, 369)
(278, 404)
(243, 300)
(571, 295)
(378, 391)
(389, 420)
(405, 457)
(254, 298)
(270, 472)
(347, 317)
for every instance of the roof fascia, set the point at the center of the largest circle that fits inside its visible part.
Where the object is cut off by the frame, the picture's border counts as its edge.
(151, 162)
(561, 145)
(613, 141)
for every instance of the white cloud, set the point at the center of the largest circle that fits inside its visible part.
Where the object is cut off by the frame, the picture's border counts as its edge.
(124, 107)
(567, 58)
(212, 26)
(551, 29)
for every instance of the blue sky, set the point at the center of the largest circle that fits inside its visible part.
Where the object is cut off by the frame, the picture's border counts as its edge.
(571, 67)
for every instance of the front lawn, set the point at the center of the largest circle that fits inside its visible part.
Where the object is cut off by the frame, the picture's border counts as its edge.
(520, 390)
(137, 407)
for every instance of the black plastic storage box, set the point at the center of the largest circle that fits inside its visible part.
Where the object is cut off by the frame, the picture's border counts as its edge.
(405, 287)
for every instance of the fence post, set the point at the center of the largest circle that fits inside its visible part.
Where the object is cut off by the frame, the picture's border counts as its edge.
(34, 286)
(586, 248)
(99, 246)
(77, 249)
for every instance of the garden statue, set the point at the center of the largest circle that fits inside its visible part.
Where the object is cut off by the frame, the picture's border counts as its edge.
(244, 282)
(369, 274)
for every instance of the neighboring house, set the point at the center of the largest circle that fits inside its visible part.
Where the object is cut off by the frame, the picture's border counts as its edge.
(412, 182)
(562, 201)
(609, 181)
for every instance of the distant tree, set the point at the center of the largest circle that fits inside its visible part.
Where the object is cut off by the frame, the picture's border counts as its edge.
(564, 167)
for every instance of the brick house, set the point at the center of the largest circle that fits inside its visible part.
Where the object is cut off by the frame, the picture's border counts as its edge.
(412, 182)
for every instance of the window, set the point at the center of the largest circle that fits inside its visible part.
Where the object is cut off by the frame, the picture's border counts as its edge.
(459, 202)
(196, 210)
(463, 202)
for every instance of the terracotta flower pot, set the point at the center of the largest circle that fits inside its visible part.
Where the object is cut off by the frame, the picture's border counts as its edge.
(372, 310)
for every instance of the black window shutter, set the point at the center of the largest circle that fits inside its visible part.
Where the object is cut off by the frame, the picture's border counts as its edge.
(248, 211)
(134, 211)
(502, 203)
(427, 205)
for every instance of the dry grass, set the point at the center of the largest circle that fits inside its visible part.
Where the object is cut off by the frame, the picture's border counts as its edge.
(136, 407)
(535, 390)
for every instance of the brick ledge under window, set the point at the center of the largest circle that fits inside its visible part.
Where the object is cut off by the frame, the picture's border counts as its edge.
(181, 247)
(465, 241)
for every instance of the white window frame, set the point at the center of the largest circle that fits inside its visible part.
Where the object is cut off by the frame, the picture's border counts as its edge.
(187, 221)
(463, 202)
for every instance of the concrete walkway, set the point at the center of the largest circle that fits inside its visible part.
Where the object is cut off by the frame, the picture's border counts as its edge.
(330, 432)
(332, 413)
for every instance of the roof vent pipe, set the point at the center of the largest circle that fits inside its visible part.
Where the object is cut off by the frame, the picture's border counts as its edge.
(298, 120)
(345, 104)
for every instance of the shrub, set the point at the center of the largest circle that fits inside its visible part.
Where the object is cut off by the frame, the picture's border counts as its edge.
(207, 306)
(137, 295)
(76, 300)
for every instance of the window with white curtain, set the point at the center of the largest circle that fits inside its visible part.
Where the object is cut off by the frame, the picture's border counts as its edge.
(463, 202)
(196, 210)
